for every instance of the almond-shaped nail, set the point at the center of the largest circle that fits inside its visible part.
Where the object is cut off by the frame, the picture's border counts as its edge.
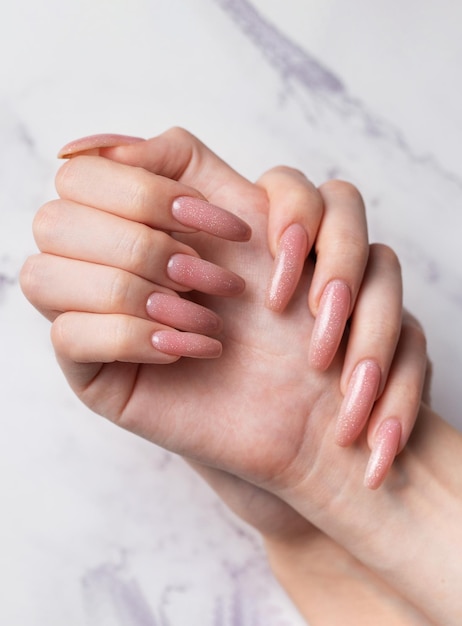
(287, 267)
(209, 218)
(384, 450)
(92, 143)
(330, 323)
(186, 344)
(182, 314)
(357, 404)
(204, 276)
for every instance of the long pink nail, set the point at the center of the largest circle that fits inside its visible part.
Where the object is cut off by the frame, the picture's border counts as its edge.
(201, 275)
(383, 453)
(209, 218)
(330, 324)
(182, 314)
(358, 402)
(94, 142)
(186, 344)
(287, 267)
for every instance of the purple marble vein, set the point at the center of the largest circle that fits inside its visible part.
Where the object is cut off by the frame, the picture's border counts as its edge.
(294, 64)
(290, 60)
(110, 595)
(309, 83)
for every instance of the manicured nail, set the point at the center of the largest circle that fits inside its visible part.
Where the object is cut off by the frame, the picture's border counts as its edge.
(201, 275)
(287, 267)
(182, 314)
(186, 344)
(94, 142)
(383, 453)
(358, 402)
(330, 323)
(209, 218)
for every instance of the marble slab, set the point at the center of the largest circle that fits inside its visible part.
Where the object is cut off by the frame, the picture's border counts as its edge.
(97, 526)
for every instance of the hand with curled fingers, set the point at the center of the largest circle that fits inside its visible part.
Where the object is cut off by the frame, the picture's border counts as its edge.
(132, 229)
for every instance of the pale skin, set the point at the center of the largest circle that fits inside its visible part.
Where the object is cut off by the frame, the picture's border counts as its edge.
(296, 458)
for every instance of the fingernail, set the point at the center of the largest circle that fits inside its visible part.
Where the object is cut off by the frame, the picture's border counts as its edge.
(209, 218)
(182, 314)
(93, 142)
(287, 267)
(329, 324)
(383, 453)
(186, 344)
(201, 275)
(358, 402)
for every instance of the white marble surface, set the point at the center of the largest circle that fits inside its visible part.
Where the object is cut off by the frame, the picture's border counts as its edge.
(98, 527)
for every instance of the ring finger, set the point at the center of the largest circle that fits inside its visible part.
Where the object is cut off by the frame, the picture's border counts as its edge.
(88, 287)
(374, 333)
(67, 229)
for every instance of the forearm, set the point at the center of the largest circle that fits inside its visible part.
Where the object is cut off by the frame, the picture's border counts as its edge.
(409, 532)
(330, 587)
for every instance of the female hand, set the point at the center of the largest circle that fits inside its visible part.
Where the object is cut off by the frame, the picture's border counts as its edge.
(112, 353)
(345, 280)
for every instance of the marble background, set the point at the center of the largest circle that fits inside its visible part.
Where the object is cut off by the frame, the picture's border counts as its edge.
(98, 527)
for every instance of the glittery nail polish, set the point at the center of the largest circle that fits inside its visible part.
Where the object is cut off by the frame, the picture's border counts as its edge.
(383, 453)
(329, 324)
(358, 401)
(186, 344)
(94, 142)
(182, 314)
(287, 267)
(201, 275)
(202, 215)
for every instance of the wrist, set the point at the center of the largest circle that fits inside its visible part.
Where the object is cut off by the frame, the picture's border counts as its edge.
(407, 531)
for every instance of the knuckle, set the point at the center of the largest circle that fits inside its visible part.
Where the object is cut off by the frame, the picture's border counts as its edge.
(180, 135)
(347, 190)
(59, 334)
(135, 248)
(119, 291)
(121, 339)
(66, 338)
(385, 255)
(286, 170)
(46, 221)
(139, 191)
(29, 277)
(415, 333)
(297, 188)
(66, 175)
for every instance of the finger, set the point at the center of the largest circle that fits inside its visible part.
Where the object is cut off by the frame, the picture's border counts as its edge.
(81, 286)
(92, 144)
(179, 155)
(295, 211)
(182, 314)
(68, 229)
(139, 195)
(395, 413)
(88, 338)
(374, 333)
(341, 256)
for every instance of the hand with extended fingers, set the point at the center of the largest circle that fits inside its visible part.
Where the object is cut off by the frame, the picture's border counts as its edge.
(157, 251)
(141, 223)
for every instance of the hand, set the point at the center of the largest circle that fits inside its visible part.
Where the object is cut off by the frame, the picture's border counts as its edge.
(333, 220)
(88, 351)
